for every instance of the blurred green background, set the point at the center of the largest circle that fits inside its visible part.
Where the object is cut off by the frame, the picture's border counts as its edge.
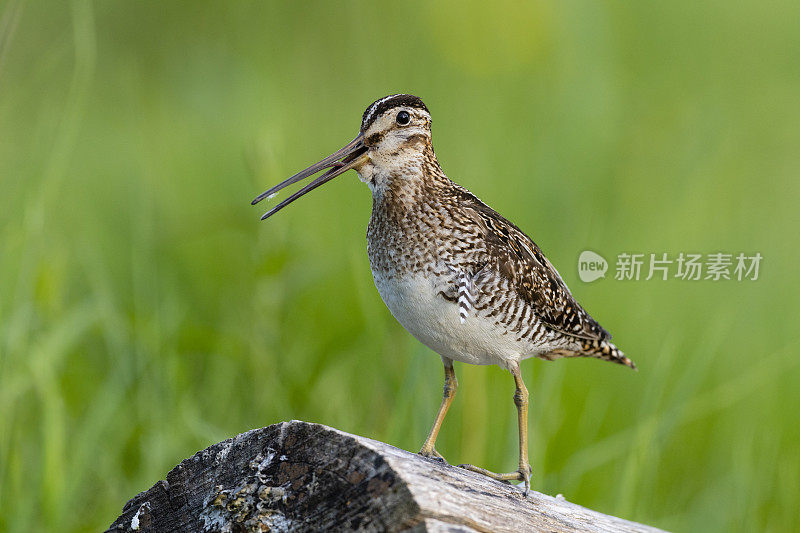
(146, 313)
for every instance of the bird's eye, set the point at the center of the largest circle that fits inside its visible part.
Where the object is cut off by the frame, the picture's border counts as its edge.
(403, 118)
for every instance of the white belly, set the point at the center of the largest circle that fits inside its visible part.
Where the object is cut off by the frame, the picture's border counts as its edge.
(415, 302)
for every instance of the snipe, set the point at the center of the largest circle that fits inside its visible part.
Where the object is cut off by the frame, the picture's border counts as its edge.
(458, 276)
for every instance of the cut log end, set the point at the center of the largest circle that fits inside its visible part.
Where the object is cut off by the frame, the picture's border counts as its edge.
(297, 476)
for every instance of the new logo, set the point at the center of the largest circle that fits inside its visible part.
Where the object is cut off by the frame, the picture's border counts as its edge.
(591, 266)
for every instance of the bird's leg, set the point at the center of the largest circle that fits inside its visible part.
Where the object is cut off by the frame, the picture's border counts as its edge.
(450, 386)
(524, 472)
(521, 401)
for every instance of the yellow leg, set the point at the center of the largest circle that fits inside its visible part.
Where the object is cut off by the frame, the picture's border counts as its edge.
(524, 472)
(450, 386)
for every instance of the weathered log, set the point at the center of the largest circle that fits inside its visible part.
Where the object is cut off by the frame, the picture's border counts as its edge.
(296, 476)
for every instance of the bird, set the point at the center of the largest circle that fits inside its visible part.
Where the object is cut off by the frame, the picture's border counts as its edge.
(457, 275)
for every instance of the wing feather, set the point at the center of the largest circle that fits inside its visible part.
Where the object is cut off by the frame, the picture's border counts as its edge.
(513, 255)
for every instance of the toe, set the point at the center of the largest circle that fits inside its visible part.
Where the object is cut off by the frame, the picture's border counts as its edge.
(525, 475)
(432, 454)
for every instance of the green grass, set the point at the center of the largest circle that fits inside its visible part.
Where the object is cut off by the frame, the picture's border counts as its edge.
(145, 313)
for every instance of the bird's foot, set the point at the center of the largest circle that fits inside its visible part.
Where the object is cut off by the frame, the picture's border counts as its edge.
(523, 474)
(431, 453)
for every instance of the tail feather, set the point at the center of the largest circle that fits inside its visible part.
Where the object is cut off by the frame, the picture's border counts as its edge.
(606, 351)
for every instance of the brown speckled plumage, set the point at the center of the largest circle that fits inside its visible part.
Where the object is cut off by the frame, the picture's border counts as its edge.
(431, 225)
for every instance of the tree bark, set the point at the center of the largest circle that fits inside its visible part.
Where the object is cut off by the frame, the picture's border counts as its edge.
(296, 476)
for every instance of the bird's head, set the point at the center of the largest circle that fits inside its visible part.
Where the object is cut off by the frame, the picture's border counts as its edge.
(395, 133)
(396, 130)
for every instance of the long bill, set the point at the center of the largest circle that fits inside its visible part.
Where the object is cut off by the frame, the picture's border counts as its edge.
(351, 155)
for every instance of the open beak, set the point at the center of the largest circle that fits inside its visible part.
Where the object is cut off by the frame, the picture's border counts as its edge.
(350, 156)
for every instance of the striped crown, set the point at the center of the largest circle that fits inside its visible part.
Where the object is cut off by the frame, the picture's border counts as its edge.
(378, 107)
